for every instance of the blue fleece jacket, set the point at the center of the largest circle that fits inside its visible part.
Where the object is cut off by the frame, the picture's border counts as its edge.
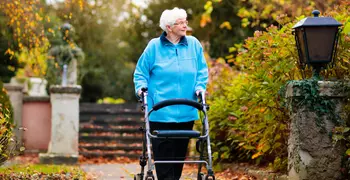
(172, 71)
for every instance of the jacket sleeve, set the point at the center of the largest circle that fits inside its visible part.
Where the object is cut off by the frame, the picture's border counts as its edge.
(142, 71)
(202, 71)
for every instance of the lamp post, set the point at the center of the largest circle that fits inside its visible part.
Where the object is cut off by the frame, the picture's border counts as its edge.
(316, 40)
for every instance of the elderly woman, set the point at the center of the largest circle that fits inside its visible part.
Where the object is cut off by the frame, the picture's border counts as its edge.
(171, 66)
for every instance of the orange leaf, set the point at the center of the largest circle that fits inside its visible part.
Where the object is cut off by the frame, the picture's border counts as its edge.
(257, 155)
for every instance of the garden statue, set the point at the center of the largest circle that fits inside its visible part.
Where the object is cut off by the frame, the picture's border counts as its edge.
(66, 54)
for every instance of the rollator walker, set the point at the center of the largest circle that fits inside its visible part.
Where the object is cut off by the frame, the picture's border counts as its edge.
(202, 138)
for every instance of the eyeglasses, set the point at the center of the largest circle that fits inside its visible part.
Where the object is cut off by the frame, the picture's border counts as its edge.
(181, 23)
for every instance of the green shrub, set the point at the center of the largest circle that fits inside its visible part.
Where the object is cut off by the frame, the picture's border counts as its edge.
(247, 117)
(6, 120)
(5, 104)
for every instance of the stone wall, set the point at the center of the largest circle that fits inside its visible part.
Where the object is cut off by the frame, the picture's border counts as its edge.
(36, 119)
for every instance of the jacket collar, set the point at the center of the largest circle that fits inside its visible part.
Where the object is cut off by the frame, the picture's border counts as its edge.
(165, 41)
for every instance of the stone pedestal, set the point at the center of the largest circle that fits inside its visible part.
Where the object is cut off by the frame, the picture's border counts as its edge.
(311, 153)
(63, 146)
(15, 93)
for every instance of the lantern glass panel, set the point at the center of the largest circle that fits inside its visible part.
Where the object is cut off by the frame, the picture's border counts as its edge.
(301, 42)
(320, 42)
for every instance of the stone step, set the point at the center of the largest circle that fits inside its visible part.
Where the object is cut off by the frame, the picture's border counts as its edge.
(129, 112)
(117, 122)
(92, 117)
(111, 154)
(93, 107)
(117, 138)
(115, 129)
(110, 131)
(91, 111)
(103, 147)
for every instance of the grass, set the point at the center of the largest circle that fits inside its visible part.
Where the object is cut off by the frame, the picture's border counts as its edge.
(41, 170)
(35, 168)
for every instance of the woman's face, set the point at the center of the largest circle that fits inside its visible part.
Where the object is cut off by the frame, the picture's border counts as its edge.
(180, 27)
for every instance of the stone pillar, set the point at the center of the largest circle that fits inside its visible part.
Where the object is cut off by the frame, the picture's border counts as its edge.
(15, 92)
(63, 146)
(311, 153)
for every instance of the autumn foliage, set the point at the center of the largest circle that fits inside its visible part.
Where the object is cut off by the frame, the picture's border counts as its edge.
(6, 121)
(28, 21)
(249, 121)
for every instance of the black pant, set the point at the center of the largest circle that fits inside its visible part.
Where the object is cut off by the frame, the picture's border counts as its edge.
(170, 149)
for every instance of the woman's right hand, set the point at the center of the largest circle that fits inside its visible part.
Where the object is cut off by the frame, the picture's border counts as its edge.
(139, 92)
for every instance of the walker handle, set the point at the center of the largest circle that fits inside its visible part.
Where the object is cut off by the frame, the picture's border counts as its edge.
(142, 99)
(201, 97)
(177, 102)
(144, 89)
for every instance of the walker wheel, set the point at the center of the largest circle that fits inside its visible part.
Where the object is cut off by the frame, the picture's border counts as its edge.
(200, 176)
(207, 177)
(149, 177)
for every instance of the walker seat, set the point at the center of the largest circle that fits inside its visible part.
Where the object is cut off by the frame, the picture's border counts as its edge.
(177, 133)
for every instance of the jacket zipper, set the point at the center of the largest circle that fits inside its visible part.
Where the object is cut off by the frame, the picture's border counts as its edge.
(179, 77)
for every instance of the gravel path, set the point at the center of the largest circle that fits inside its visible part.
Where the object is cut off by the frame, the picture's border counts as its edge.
(119, 171)
(111, 171)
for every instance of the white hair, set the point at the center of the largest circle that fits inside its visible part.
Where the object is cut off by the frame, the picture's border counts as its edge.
(169, 17)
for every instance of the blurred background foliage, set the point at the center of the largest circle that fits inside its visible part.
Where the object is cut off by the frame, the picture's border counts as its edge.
(112, 34)
(248, 45)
